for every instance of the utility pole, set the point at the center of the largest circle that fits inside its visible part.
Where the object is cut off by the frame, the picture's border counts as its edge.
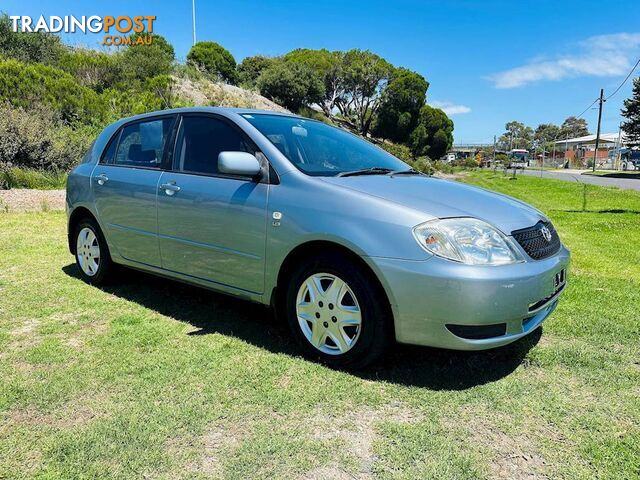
(193, 15)
(493, 162)
(600, 101)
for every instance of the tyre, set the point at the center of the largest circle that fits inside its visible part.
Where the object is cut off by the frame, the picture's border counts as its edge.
(337, 312)
(91, 252)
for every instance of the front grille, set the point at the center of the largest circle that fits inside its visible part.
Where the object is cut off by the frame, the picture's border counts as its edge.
(534, 242)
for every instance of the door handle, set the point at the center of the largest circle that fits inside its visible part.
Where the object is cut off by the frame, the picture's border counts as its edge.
(102, 179)
(170, 188)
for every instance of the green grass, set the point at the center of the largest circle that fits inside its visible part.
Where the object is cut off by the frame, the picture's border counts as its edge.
(614, 174)
(150, 378)
(31, 178)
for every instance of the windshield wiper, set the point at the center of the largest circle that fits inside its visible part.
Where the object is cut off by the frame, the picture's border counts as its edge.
(366, 171)
(410, 171)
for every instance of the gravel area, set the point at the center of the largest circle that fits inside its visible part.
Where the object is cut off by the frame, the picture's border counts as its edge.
(27, 200)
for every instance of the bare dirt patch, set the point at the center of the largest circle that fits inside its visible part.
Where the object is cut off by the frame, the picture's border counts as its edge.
(28, 200)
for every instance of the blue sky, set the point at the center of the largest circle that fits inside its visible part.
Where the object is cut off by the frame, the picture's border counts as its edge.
(488, 62)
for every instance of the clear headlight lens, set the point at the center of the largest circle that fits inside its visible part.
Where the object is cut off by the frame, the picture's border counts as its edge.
(467, 240)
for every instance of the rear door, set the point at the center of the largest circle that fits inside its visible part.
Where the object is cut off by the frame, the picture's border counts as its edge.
(125, 186)
(212, 226)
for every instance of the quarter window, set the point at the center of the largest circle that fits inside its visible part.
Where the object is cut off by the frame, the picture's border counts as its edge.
(142, 144)
(200, 141)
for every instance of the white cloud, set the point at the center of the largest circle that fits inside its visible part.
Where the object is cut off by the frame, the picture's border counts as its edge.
(599, 56)
(450, 108)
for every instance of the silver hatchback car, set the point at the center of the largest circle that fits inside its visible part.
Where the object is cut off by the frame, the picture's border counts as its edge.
(347, 242)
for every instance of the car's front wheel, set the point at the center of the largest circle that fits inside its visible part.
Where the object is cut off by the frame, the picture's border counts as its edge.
(338, 313)
(91, 252)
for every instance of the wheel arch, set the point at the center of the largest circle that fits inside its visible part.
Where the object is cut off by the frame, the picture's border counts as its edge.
(76, 216)
(314, 247)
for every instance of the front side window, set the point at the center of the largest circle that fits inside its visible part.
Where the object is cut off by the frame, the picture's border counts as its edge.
(318, 149)
(200, 141)
(142, 144)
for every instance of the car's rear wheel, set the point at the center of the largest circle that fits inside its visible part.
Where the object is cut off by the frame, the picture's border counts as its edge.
(337, 312)
(91, 252)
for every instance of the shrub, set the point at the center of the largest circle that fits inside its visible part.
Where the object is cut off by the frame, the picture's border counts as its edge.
(25, 85)
(141, 62)
(251, 68)
(37, 140)
(291, 85)
(93, 69)
(29, 46)
(215, 60)
(398, 150)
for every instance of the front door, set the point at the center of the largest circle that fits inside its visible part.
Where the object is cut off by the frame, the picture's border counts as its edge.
(212, 226)
(125, 186)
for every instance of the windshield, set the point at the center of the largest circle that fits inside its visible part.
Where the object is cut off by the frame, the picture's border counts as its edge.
(318, 149)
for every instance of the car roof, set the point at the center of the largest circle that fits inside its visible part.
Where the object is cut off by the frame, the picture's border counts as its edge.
(225, 111)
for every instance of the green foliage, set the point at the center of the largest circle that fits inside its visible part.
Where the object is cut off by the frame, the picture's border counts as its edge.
(36, 139)
(28, 46)
(29, 178)
(94, 69)
(330, 68)
(25, 85)
(402, 100)
(631, 111)
(291, 85)
(545, 134)
(574, 127)
(397, 150)
(517, 135)
(250, 69)
(140, 62)
(503, 158)
(365, 75)
(434, 134)
(215, 60)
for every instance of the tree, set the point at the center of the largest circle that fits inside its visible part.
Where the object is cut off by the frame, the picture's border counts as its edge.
(291, 85)
(92, 68)
(631, 111)
(517, 135)
(250, 69)
(366, 75)
(434, 134)
(330, 68)
(215, 60)
(545, 134)
(574, 127)
(141, 62)
(399, 111)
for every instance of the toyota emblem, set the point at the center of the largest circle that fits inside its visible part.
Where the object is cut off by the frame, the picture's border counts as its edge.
(546, 233)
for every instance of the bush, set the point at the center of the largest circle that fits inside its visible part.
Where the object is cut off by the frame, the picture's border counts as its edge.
(93, 69)
(291, 85)
(141, 62)
(37, 140)
(25, 85)
(29, 46)
(398, 150)
(214, 60)
(29, 178)
(251, 68)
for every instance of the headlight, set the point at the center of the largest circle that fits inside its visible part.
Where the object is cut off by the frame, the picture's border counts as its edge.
(467, 240)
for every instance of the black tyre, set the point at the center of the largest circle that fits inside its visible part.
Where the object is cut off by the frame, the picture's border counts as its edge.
(337, 312)
(91, 252)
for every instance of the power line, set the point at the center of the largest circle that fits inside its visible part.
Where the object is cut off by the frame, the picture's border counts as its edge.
(585, 110)
(624, 81)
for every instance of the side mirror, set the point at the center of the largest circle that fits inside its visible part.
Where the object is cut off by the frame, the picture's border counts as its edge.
(238, 163)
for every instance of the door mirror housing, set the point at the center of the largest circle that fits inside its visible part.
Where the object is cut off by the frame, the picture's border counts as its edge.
(239, 163)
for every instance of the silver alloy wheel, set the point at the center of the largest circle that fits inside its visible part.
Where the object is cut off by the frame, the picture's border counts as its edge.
(88, 251)
(328, 313)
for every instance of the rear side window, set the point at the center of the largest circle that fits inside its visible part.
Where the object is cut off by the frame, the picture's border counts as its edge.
(142, 144)
(110, 152)
(200, 141)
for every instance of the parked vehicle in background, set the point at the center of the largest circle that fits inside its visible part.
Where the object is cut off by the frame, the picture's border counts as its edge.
(518, 158)
(350, 244)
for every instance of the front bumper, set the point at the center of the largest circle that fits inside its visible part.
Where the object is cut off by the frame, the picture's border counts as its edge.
(428, 295)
